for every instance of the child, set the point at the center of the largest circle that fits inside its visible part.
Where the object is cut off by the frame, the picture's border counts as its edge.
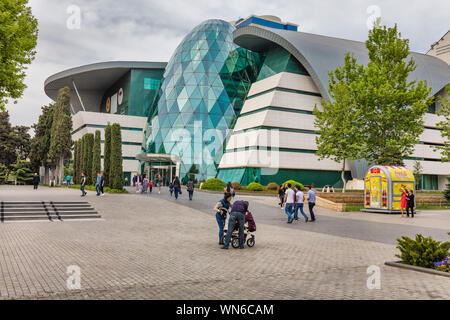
(150, 186)
(140, 188)
(171, 188)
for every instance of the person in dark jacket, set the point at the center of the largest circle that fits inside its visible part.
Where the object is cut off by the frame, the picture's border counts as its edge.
(238, 211)
(35, 181)
(221, 215)
(281, 192)
(410, 203)
(190, 188)
(176, 187)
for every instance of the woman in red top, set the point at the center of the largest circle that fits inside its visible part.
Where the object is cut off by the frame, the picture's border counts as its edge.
(403, 201)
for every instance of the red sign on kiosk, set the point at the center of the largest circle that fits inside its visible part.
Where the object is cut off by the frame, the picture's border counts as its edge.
(376, 170)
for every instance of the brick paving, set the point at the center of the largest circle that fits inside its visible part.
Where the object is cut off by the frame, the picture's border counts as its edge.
(151, 247)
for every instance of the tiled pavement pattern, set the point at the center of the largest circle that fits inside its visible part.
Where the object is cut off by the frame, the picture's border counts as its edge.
(149, 247)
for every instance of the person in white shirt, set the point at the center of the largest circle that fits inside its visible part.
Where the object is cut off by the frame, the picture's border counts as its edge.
(289, 199)
(311, 195)
(299, 199)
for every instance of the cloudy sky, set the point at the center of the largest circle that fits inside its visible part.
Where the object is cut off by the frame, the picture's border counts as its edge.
(150, 30)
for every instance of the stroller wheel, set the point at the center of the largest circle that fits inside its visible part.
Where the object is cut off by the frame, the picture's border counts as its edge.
(235, 242)
(251, 242)
(223, 238)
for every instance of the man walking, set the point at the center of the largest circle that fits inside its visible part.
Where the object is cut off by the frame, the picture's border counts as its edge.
(190, 188)
(35, 181)
(410, 203)
(97, 183)
(311, 196)
(83, 184)
(102, 184)
(238, 211)
(299, 197)
(289, 198)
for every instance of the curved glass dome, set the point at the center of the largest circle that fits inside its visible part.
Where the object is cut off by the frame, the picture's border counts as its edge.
(204, 86)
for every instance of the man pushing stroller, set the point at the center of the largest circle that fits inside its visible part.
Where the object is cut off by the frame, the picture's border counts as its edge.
(239, 216)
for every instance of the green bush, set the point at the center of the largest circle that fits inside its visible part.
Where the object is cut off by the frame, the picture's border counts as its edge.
(272, 186)
(236, 186)
(105, 189)
(255, 186)
(214, 184)
(293, 183)
(423, 251)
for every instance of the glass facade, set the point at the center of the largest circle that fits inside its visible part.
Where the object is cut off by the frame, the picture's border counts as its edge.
(204, 87)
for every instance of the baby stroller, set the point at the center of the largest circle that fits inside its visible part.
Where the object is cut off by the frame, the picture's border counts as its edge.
(249, 229)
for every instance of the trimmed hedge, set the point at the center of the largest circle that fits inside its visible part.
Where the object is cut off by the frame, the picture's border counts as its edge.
(272, 186)
(213, 184)
(255, 186)
(236, 185)
(92, 188)
(293, 183)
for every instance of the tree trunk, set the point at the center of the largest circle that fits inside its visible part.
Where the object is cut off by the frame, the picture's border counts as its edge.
(46, 175)
(60, 170)
(343, 176)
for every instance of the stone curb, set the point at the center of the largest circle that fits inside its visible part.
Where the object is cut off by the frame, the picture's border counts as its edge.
(398, 264)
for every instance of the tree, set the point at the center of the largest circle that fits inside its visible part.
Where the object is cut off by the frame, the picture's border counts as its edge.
(4, 173)
(339, 123)
(18, 38)
(88, 143)
(447, 189)
(79, 157)
(74, 163)
(21, 172)
(107, 155)
(7, 141)
(444, 125)
(41, 141)
(22, 141)
(96, 151)
(116, 170)
(61, 137)
(390, 106)
(417, 172)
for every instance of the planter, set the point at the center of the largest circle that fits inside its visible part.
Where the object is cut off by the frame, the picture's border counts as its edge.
(415, 268)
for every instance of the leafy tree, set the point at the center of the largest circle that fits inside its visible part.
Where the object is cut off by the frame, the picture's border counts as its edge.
(22, 141)
(7, 141)
(4, 173)
(61, 138)
(339, 122)
(74, 163)
(18, 38)
(444, 125)
(116, 170)
(447, 189)
(96, 164)
(88, 144)
(390, 106)
(22, 172)
(79, 157)
(107, 155)
(41, 141)
(417, 172)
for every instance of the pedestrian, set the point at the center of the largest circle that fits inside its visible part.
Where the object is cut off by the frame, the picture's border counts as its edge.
(190, 188)
(221, 215)
(158, 183)
(102, 184)
(164, 180)
(238, 211)
(68, 180)
(171, 188)
(311, 196)
(403, 201)
(126, 181)
(229, 188)
(410, 203)
(176, 187)
(299, 200)
(35, 181)
(83, 184)
(97, 183)
(134, 180)
(145, 183)
(150, 186)
(281, 191)
(138, 181)
(289, 197)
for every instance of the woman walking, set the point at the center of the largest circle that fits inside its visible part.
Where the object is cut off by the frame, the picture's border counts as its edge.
(281, 192)
(190, 188)
(229, 188)
(403, 201)
(176, 187)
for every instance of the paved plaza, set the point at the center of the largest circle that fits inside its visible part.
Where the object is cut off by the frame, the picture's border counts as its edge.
(153, 247)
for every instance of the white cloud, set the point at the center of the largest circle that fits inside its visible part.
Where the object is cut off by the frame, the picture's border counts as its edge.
(150, 30)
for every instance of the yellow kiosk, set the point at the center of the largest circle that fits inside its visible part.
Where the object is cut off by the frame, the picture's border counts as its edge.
(382, 188)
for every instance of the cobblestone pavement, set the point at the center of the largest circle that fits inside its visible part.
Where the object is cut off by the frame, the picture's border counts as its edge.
(151, 247)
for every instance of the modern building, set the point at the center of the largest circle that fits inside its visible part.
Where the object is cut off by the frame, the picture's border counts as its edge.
(115, 92)
(441, 48)
(235, 101)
